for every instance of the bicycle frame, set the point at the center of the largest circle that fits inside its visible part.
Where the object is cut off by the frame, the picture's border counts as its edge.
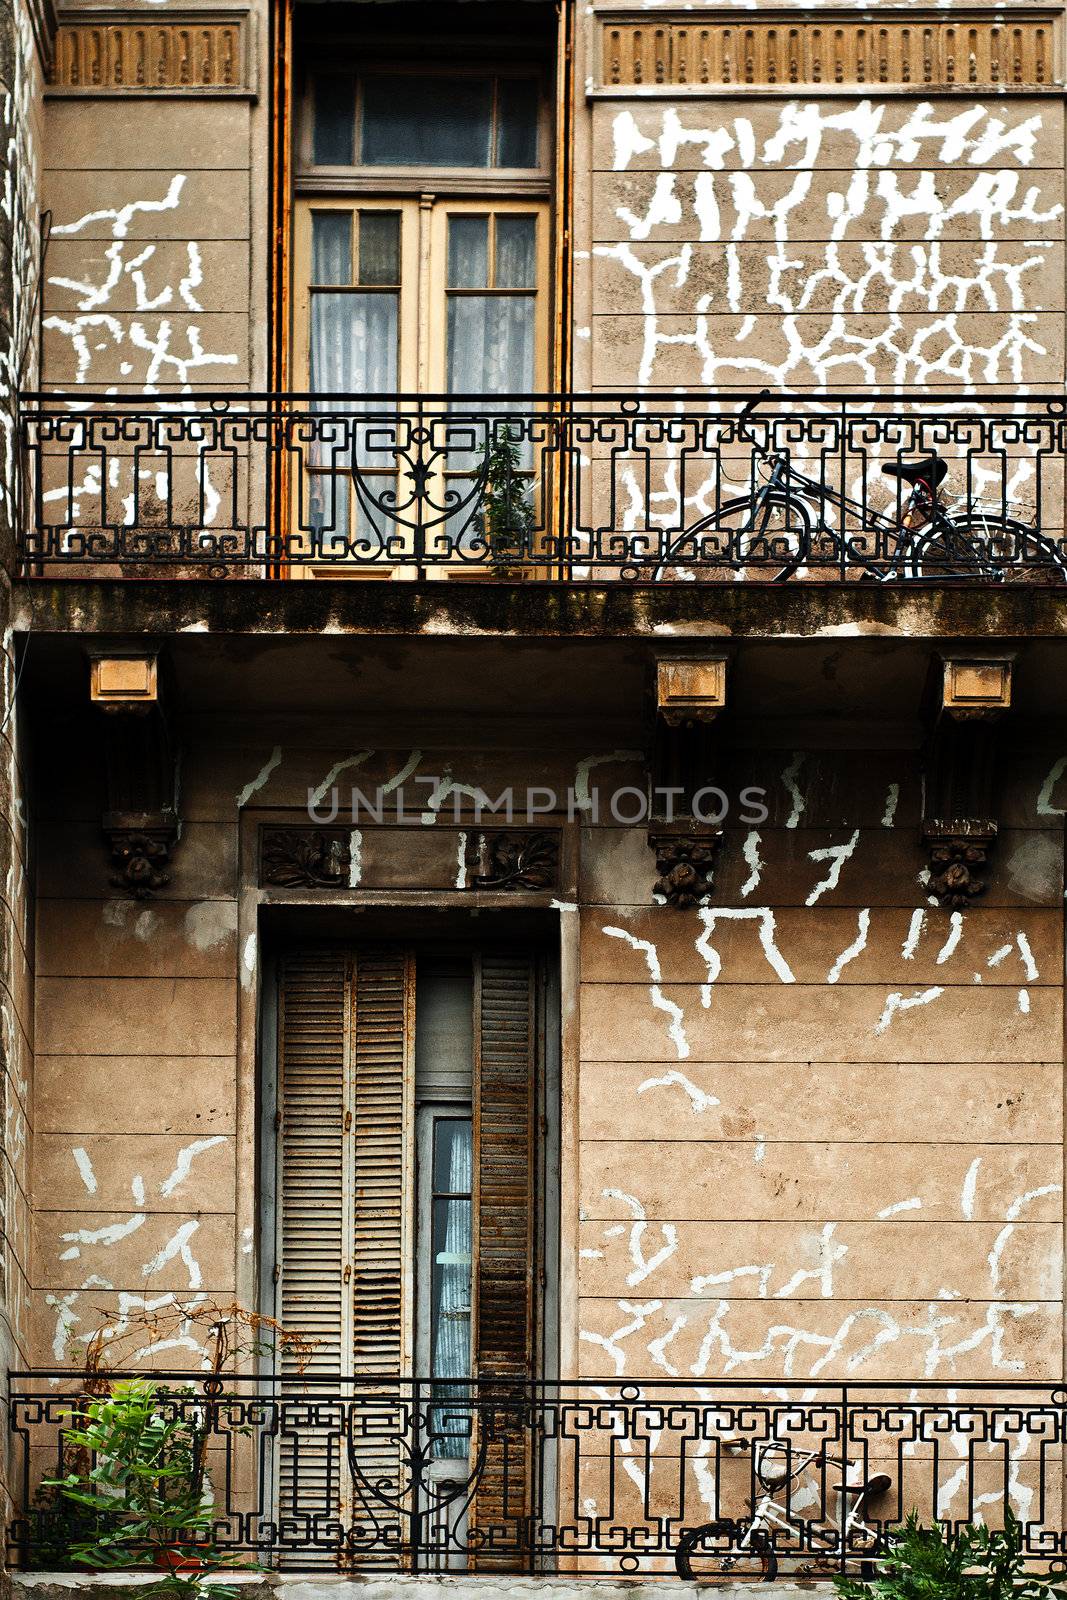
(769, 1514)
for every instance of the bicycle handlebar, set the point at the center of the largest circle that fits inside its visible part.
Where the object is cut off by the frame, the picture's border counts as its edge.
(747, 410)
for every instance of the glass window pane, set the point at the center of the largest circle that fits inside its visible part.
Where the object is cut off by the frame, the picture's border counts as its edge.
(516, 252)
(379, 247)
(452, 1171)
(453, 1168)
(490, 344)
(468, 252)
(516, 125)
(353, 343)
(334, 122)
(426, 122)
(331, 247)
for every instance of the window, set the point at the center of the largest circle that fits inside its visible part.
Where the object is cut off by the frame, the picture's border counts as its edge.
(455, 121)
(422, 256)
(410, 1085)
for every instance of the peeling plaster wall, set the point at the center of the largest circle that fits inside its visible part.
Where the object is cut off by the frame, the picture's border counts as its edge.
(818, 1123)
(820, 1119)
(156, 270)
(806, 241)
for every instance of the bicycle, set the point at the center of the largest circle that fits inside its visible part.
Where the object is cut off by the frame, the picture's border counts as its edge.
(785, 516)
(746, 1548)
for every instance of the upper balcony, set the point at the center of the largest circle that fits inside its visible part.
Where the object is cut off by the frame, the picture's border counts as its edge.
(698, 488)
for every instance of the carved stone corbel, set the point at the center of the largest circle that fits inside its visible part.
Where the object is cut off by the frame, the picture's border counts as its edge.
(959, 824)
(141, 824)
(685, 861)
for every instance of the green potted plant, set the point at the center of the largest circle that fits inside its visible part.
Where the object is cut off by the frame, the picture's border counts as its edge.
(969, 1563)
(506, 510)
(137, 1482)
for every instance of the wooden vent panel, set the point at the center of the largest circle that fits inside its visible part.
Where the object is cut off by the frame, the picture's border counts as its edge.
(106, 57)
(1012, 52)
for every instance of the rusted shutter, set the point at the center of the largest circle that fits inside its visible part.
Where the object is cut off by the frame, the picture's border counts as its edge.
(505, 1177)
(382, 1034)
(346, 1038)
(313, 1239)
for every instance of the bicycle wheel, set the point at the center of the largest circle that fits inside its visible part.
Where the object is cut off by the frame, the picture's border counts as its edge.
(1021, 553)
(770, 538)
(984, 545)
(729, 1550)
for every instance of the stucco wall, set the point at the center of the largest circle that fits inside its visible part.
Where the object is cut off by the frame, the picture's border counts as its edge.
(818, 1121)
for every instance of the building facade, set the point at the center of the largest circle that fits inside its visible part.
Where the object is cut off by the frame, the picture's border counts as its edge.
(533, 862)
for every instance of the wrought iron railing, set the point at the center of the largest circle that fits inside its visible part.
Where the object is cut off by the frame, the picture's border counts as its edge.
(590, 1478)
(684, 488)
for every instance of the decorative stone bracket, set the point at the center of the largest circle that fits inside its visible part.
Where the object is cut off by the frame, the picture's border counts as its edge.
(141, 823)
(690, 693)
(959, 826)
(685, 861)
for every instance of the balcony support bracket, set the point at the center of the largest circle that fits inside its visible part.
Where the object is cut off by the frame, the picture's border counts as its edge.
(959, 823)
(141, 825)
(686, 807)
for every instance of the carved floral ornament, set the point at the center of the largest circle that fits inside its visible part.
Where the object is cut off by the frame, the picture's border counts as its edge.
(321, 858)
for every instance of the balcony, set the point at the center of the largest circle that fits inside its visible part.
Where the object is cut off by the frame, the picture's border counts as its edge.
(697, 488)
(319, 1473)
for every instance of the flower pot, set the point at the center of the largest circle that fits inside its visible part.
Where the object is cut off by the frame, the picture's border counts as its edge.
(175, 1559)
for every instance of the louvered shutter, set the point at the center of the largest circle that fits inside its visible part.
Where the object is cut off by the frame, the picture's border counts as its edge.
(504, 1242)
(313, 1018)
(346, 1039)
(382, 1034)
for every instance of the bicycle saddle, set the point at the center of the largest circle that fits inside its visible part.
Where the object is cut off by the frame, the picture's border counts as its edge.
(929, 470)
(878, 1483)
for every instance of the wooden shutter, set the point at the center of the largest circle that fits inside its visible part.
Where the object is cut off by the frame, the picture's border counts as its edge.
(344, 1101)
(313, 1017)
(504, 1243)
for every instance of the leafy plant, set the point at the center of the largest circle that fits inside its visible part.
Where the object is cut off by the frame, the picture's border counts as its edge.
(507, 514)
(971, 1563)
(137, 1480)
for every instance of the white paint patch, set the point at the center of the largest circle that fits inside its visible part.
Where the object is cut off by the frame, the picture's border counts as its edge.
(248, 962)
(892, 800)
(789, 780)
(1024, 1002)
(970, 1185)
(955, 934)
(85, 1168)
(764, 917)
(914, 934)
(355, 858)
(210, 923)
(184, 1162)
(461, 861)
(914, 1204)
(317, 796)
(273, 761)
(857, 947)
(699, 1100)
(753, 861)
(583, 799)
(178, 1246)
(137, 1189)
(676, 1029)
(106, 1236)
(1045, 808)
(247, 1242)
(837, 855)
(897, 1002)
(643, 1266)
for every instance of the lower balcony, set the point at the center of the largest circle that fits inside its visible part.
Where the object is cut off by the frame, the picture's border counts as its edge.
(904, 490)
(713, 1481)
